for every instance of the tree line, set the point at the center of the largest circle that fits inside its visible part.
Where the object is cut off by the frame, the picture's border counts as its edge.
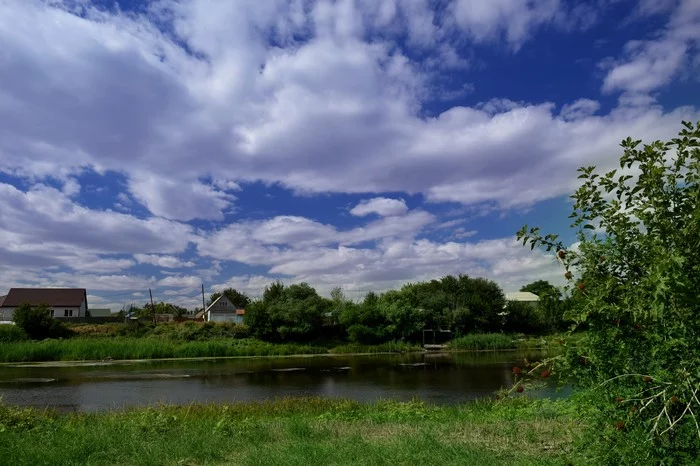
(455, 304)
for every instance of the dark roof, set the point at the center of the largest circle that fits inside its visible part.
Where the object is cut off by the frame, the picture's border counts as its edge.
(2, 299)
(68, 297)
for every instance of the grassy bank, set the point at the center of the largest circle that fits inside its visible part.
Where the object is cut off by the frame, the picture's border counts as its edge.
(501, 341)
(77, 349)
(293, 431)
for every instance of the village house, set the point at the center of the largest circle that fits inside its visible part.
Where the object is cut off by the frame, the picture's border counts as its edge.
(222, 310)
(63, 302)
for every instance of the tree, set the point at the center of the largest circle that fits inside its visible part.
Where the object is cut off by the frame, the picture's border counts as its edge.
(238, 299)
(37, 323)
(293, 313)
(551, 305)
(635, 278)
(542, 288)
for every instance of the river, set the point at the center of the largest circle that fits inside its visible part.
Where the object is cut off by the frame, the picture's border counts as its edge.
(436, 378)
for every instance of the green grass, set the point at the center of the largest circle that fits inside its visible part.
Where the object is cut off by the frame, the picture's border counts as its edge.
(296, 432)
(483, 341)
(388, 347)
(77, 349)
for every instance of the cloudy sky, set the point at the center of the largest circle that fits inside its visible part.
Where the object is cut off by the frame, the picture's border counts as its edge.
(360, 144)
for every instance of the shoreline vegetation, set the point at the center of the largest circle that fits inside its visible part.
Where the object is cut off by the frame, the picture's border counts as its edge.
(178, 341)
(291, 431)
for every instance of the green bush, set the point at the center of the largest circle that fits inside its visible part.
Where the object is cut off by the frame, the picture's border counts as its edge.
(10, 333)
(635, 281)
(37, 323)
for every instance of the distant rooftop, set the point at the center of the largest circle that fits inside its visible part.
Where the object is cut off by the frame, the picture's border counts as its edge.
(522, 296)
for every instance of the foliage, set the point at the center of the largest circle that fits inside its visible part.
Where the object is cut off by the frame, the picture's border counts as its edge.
(387, 347)
(238, 299)
(291, 313)
(37, 323)
(10, 333)
(523, 317)
(635, 279)
(483, 341)
(294, 431)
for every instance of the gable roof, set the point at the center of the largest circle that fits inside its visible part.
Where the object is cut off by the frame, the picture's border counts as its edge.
(216, 301)
(2, 299)
(67, 297)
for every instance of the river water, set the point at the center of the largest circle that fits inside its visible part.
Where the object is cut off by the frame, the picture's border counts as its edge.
(436, 378)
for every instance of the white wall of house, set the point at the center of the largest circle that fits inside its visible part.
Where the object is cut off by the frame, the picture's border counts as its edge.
(68, 311)
(75, 311)
(224, 316)
(6, 313)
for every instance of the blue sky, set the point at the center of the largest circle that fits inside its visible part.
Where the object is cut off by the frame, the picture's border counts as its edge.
(360, 144)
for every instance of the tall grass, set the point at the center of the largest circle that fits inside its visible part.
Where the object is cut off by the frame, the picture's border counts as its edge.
(295, 431)
(143, 348)
(483, 341)
(388, 347)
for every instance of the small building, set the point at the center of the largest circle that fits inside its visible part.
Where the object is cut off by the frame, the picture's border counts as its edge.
(63, 302)
(222, 310)
(523, 297)
(100, 313)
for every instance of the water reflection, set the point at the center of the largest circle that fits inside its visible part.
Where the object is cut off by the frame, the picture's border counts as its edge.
(440, 378)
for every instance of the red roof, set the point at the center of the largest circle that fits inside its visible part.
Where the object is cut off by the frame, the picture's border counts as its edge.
(65, 297)
(240, 312)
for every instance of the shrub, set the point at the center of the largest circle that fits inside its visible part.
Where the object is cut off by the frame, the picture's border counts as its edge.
(635, 281)
(37, 322)
(10, 333)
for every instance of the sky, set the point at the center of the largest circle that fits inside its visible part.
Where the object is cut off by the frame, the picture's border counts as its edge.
(364, 144)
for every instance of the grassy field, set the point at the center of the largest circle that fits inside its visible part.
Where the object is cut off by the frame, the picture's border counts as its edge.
(296, 432)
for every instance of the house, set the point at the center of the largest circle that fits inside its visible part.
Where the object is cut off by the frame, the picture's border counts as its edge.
(523, 297)
(63, 302)
(222, 310)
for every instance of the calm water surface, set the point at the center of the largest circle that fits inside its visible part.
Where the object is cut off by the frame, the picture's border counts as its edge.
(437, 378)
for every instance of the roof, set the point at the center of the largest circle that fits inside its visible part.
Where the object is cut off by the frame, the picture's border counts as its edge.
(522, 296)
(2, 299)
(216, 301)
(68, 297)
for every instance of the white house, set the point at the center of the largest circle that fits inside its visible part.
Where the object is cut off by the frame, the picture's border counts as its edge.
(222, 310)
(63, 302)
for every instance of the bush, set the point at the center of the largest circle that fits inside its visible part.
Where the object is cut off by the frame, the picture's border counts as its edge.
(10, 333)
(37, 322)
(635, 282)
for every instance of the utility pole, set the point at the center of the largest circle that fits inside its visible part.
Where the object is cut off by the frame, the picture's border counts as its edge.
(204, 306)
(153, 308)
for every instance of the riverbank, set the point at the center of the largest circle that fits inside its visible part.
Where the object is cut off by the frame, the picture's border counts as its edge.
(131, 348)
(128, 348)
(297, 431)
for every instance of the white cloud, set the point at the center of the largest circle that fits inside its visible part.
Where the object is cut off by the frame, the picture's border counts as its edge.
(320, 101)
(515, 19)
(165, 261)
(382, 206)
(649, 64)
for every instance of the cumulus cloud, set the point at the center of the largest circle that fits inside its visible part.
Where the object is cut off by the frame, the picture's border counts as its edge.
(649, 64)
(191, 100)
(382, 206)
(165, 261)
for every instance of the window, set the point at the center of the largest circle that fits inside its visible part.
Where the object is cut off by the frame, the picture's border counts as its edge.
(223, 303)
(53, 313)
(68, 313)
